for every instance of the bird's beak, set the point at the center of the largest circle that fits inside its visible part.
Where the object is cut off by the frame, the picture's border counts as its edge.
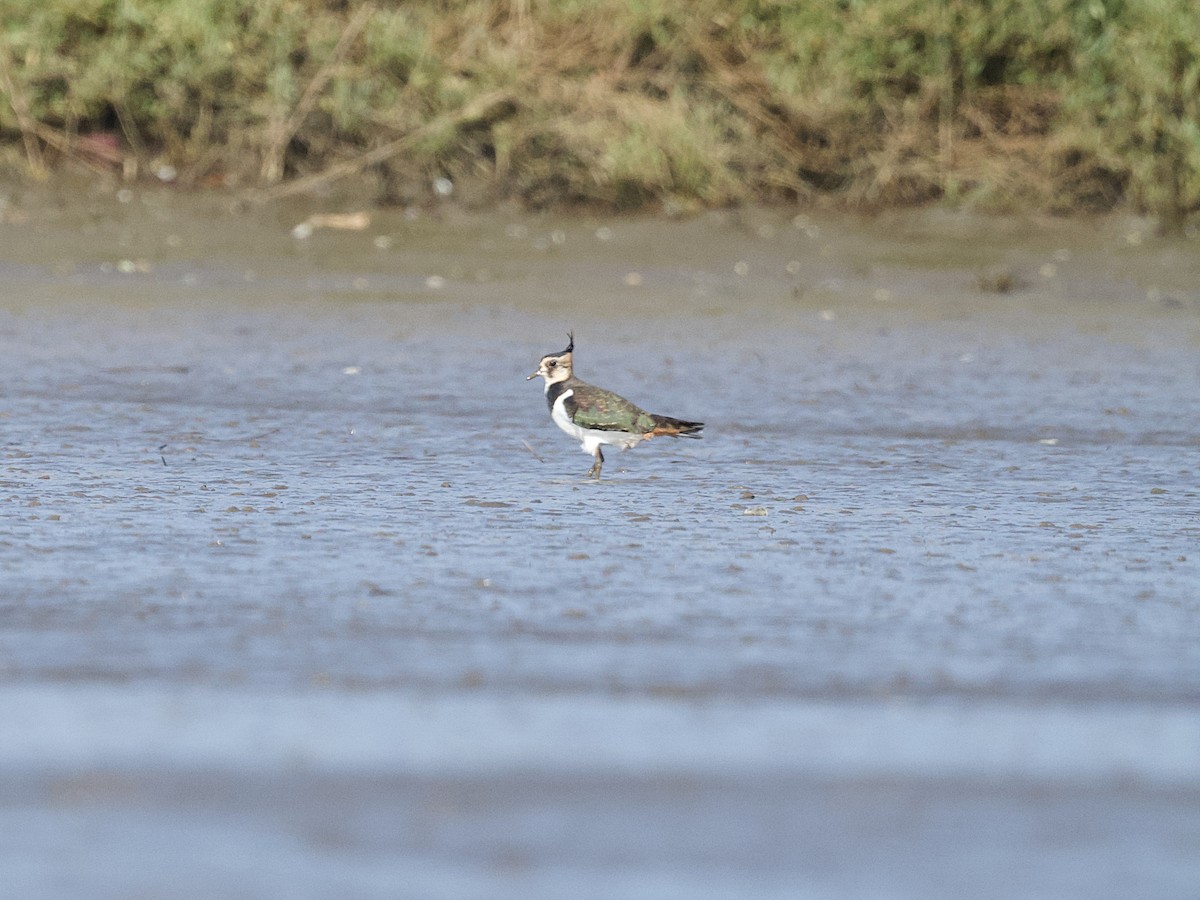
(534, 375)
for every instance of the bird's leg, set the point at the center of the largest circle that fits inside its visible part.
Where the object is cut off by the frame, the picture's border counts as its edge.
(594, 471)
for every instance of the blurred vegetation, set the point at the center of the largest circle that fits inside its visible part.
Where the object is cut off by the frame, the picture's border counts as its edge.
(1061, 105)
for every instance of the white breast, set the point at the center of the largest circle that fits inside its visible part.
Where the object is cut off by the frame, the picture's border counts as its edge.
(559, 414)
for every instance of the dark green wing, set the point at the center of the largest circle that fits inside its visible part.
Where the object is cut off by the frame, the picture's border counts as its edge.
(593, 407)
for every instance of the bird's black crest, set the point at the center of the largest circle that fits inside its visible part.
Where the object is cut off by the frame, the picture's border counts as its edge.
(571, 344)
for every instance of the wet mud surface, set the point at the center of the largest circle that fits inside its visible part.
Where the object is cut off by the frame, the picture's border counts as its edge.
(304, 594)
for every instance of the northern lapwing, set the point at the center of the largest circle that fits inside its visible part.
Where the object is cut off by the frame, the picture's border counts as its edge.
(596, 417)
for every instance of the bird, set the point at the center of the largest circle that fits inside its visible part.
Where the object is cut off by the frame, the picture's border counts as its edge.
(596, 417)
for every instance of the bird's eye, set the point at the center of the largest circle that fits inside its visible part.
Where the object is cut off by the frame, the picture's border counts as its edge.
(552, 364)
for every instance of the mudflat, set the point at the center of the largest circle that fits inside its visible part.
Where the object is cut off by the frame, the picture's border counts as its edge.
(304, 595)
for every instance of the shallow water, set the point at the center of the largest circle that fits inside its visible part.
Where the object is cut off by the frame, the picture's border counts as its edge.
(303, 593)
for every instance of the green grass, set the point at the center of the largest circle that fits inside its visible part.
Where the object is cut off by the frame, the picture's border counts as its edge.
(1064, 105)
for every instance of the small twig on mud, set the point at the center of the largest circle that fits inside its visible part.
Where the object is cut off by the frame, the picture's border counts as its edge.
(239, 439)
(487, 108)
(533, 452)
(282, 132)
(259, 437)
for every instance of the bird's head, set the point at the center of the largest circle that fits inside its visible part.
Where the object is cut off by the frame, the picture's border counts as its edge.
(556, 367)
